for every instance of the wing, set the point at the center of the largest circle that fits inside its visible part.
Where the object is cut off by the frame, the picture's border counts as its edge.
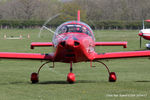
(114, 55)
(41, 44)
(32, 56)
(124, 44)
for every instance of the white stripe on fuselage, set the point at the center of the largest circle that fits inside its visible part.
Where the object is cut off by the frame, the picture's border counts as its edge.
(146, 34)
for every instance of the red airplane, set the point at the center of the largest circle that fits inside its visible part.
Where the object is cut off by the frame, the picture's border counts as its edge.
(145, 33)
(74, 42)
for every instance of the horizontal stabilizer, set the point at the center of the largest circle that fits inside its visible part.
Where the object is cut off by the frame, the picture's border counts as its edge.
(124, 44)
(41, 44)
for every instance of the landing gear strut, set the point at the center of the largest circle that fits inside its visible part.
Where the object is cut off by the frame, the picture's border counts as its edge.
(71, 76)
(112, 75)
(35, 76)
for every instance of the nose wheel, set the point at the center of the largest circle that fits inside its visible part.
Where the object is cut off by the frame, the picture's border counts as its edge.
(71, 76)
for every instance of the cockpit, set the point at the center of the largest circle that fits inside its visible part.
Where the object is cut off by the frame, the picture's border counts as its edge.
(73, 27)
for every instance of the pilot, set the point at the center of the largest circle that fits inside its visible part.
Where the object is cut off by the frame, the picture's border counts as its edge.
(64, 29)
(84, 30)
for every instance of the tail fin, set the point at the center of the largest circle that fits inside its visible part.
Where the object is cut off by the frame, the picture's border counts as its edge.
(78, 15)
(148, 20)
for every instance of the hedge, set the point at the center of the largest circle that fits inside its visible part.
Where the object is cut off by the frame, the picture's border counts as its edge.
(94, 25)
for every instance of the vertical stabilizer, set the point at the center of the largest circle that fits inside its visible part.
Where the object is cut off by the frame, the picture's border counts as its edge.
(78, 16)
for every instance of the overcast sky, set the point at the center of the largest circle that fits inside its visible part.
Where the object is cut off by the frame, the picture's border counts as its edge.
(66, 0)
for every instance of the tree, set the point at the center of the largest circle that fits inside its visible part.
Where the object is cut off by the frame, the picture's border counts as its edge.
(69, 11)
(97, 10)
(28, 9)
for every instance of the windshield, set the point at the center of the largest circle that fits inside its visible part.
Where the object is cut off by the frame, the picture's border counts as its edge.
(73, 27)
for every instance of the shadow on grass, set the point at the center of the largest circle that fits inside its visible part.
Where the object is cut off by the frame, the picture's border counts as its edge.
(46, 82)
(144, 81)
(14, 83)
(88, 81)
(65, 82)
(52, 82)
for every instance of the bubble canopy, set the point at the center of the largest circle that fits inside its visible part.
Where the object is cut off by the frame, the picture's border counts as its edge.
(74, 27)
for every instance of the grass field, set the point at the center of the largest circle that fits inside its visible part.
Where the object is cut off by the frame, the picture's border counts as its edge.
(92, 83)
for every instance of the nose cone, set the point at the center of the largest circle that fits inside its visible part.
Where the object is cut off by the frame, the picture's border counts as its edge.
(70, 42)
(140, 34)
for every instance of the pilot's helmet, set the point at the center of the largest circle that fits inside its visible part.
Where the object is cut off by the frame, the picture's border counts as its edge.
(83, 29)
(64, 29)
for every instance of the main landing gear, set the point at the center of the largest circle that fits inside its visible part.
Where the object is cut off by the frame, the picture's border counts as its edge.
(71, 76)
(112, 75)
(35, 76)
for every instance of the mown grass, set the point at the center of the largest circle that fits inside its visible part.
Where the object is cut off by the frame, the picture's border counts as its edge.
(133, 75)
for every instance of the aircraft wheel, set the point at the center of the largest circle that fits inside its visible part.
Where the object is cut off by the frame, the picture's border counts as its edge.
(34, 78)
(71, 78)
(112, 77)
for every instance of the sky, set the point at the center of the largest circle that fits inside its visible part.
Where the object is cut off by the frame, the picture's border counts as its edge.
(65, 0)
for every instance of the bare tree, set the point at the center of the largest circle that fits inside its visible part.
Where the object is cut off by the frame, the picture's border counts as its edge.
(95, 10)
(46, 9)
(28, 9)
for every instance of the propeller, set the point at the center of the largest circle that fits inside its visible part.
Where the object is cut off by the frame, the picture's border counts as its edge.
(44, 25)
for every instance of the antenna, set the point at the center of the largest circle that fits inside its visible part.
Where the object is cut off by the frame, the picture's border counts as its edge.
(143, 24)
(78, 16)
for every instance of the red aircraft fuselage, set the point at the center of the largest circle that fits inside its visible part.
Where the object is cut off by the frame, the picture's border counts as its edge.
(77, 47)
(74, 45)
